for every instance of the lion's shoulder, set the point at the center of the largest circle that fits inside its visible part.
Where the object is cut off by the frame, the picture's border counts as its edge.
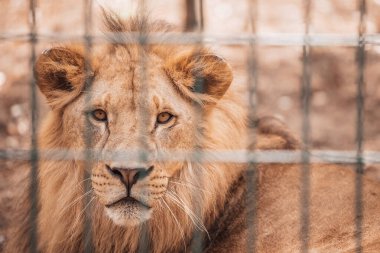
(271, 133)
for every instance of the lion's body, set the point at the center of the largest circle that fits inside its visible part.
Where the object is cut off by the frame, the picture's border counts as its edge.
(215, 193)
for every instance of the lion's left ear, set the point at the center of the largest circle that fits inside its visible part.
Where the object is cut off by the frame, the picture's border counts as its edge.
(60, 74)
(200, 72)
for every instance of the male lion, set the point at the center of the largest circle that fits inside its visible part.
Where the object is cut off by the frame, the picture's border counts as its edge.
(179, 99)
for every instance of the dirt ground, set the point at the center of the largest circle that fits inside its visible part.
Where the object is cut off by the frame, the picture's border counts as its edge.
(334, 68)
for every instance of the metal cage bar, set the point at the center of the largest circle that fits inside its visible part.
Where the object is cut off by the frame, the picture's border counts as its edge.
(88, 198)
(360, 60)
(198, 242)
(305, 104)
(251, 174)
(34, 156)
(220, 156)
(143, 41)
(264, 39)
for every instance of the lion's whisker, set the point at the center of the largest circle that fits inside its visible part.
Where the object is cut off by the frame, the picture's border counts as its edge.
(190, 186)
(200, 222)
(187, 207)
(84, 209)
(177, 222)
(171, 179)
(186, 211)
(78, 218)
(194, 218)
(81, 182)
(74, 202)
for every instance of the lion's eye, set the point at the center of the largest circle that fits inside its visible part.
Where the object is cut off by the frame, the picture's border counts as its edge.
(99, 115)
(164, 117)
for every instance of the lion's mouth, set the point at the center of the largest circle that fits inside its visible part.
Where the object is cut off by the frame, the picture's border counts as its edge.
(128, 201)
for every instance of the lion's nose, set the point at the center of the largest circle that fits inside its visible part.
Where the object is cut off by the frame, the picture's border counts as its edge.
(130, 176)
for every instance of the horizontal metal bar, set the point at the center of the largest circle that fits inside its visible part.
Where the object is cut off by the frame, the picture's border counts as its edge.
(275, 39)
(219, 156)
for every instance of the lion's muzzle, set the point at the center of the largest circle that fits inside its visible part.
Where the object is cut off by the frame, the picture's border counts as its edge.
(130, 176)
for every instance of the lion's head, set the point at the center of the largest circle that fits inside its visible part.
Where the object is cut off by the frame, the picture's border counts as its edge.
(156, 98)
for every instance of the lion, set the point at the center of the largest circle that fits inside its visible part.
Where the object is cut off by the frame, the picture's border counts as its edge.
(161, 99)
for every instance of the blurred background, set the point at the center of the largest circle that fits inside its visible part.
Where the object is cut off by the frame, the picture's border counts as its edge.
(333, 68)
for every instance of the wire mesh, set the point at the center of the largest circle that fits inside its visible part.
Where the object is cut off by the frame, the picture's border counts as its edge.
(253, 40)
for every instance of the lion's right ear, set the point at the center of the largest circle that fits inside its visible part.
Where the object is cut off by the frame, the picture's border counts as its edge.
(200, 72)
(60, 74)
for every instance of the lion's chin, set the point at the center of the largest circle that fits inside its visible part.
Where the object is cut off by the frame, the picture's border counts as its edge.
(129, 215)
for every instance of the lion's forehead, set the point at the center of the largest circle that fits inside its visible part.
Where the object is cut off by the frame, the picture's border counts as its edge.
(134, 88)
(120, 63)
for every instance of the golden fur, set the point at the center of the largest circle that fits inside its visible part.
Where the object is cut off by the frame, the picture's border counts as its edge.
(184, 196)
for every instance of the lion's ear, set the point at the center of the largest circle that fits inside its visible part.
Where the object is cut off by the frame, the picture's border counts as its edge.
(60, 74)
(200, 72)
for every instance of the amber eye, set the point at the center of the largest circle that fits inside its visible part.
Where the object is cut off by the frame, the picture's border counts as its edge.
(164, 117)
(99, 115)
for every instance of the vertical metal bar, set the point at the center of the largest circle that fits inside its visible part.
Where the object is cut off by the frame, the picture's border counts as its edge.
(87, 228)
(305, 103)
(201, 16)
(360, 60)
(144, 241)
(251, 174)
(34, 155)
(194, 15)
(197, 243)
(190, 20)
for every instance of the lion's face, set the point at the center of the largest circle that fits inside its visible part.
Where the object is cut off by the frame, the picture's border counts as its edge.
(125, 113)
(129, 108)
